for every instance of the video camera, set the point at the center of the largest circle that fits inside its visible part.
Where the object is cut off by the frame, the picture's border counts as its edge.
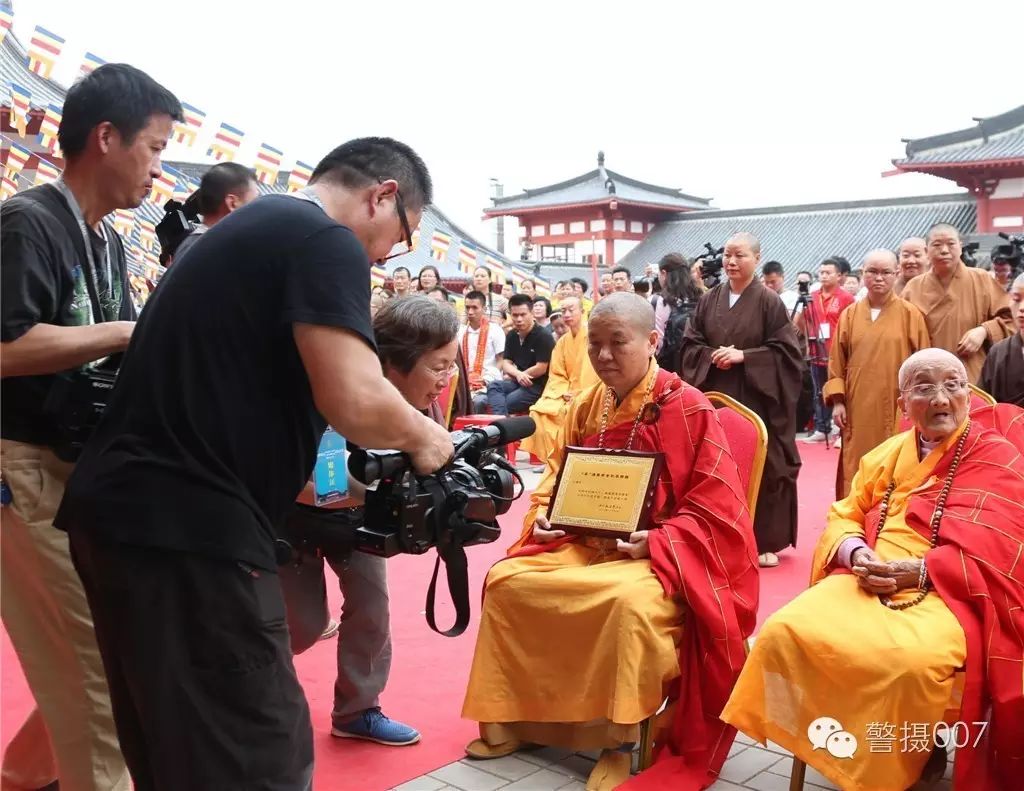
(1011, 253)
(711, 263)
(74, 405)
(967, 253)
(179, 220)
(451, 509)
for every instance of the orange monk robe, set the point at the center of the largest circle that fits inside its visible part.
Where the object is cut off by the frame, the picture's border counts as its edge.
(570, 372)
(864, 368)
(973, 299)
(578, 644)
(836, 651)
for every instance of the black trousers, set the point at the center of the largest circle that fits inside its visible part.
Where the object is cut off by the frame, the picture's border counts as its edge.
(201, 678)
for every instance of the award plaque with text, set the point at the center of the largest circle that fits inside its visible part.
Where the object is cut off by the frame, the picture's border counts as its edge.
(604, 492)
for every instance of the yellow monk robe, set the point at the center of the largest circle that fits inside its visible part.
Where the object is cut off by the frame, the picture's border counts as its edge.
(973, 299)
(864, 368)
(576, 645)
(570, 372)
(835, 651)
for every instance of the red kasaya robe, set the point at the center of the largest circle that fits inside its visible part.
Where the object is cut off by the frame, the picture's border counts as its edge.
(704, 554)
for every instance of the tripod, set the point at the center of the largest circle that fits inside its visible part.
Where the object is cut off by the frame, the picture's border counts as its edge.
(817, 357)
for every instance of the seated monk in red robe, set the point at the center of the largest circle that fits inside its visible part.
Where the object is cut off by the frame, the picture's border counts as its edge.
(581, 639)
(918, 574)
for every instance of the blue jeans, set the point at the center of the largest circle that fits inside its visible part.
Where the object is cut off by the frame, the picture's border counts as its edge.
(508, 397)
(822, 412)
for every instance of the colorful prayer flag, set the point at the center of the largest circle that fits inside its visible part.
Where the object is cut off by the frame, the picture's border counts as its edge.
(415, 238)
(268, 163)
(124, 222)
(225, 143)
(378, 275)
(43, 50)
(8, 186)
(467, 259)
(496, 267)
(48, 129)
(184, 187)
(20, 101)
(163, 187)
(6, 18)
(90, 63)
(147, 235)
(299, 176)
(439, 245)
(186, 131)
(17, 158)
(46, 172)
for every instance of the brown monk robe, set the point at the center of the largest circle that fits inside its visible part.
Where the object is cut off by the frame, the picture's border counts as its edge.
(750, 352)
(873, 339)
(966, 310)
(1003, 374)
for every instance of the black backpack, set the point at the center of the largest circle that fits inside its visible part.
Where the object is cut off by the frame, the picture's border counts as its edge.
(672, 343)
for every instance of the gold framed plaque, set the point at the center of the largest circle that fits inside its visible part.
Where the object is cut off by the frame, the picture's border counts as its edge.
(604, 492)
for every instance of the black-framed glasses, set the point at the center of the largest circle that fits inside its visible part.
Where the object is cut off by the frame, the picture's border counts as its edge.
(403, 218)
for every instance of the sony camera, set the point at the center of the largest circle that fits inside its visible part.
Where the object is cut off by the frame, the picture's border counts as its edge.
(75, 405)
(405, 513)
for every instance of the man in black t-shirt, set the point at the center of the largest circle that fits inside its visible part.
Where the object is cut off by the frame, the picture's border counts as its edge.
(256, 339)
(528, 349)
(66, 309)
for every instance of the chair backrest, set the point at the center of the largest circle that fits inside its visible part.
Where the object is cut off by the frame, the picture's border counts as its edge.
(447, 398)
(979, 397)
(748, 441)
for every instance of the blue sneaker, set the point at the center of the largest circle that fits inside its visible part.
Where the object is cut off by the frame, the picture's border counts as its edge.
(374, 726)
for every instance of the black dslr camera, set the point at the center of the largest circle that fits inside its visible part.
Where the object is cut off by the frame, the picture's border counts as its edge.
(406, 513)
(711, 263)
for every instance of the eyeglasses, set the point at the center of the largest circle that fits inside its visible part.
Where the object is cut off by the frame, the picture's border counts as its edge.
(951, 387)
(404, 220)
(440, 374)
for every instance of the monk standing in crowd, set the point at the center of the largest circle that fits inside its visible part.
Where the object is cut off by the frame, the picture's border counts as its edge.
(965, 308)
(874, 337)
(741, 342)
(913, 261)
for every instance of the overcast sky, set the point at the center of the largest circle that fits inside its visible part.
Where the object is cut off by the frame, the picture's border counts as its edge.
(750, 104)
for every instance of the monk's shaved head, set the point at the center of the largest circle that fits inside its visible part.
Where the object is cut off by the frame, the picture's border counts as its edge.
(880, 255)
(930, 359)
(912, 241)
(748, 239)
(634, 310)
(945, 227)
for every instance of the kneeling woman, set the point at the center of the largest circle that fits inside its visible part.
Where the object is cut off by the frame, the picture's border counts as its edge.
(417, 347)
(917, 575)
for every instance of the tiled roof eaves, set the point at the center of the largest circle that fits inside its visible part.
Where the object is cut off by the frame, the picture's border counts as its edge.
(500, 211)
(994, 125)
(13, 68)
(806, 208)
(582, 179)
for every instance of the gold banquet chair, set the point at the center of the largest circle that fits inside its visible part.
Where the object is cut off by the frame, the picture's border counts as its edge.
(748, 442)
(979, 395)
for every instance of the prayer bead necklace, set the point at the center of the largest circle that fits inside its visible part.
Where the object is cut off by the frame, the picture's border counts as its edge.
(609, 400)
(940, 505)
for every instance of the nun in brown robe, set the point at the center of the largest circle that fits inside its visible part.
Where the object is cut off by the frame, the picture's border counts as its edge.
(768, 381)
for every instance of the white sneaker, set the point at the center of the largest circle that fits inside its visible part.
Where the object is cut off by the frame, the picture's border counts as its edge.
(817, 436)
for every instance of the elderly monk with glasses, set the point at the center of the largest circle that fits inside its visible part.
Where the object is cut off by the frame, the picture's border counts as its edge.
(919, 574)
(582, 638)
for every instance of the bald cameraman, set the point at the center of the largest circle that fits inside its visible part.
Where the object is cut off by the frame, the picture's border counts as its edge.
(225, 187)
(255, 340)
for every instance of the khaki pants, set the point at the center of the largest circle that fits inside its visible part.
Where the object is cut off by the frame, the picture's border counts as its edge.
(71, 734)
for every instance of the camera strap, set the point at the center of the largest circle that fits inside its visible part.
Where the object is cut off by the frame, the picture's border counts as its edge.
(456, 567)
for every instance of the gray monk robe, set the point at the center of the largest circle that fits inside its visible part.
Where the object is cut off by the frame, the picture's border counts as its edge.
(767, 381)
(1003, 373)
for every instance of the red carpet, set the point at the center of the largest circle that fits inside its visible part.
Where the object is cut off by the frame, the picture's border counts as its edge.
(429, 672)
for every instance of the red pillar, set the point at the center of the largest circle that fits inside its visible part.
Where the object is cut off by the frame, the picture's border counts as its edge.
(984, 210)
(609, 249)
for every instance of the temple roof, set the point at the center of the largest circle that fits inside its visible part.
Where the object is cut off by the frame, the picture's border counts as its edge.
(800, 237)
(995, 140)
(596, 187)
(14, 68)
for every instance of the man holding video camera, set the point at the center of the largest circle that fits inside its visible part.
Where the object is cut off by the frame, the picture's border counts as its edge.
(254, 342)
(66, 310)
